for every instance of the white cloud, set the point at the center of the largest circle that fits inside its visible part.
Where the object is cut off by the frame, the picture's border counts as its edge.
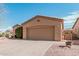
(3, 12)
(76, 12)
(4, 29)
(71, 18)
(3, 19)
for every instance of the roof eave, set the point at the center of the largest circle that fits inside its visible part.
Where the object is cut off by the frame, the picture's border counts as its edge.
(75, 22)
(58, 19)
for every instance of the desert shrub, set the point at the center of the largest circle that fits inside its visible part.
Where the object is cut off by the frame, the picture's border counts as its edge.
(1, 35)
(7, 35)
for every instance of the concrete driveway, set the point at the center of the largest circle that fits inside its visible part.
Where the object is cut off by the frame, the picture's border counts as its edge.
(9, 47)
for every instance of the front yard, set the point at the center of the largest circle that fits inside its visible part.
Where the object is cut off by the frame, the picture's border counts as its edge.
(56, 50)
(9, 47)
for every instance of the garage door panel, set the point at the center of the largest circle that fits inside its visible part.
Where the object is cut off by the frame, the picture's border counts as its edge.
(41, 33)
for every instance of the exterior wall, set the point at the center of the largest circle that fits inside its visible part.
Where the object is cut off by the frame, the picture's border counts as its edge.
(42, 22)
(58, 33)
(25, 29)
(68, 34)
(46, 22)
(14, 32)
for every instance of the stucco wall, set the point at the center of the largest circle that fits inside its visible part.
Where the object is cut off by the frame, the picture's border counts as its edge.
(58, 32)
(67, 34)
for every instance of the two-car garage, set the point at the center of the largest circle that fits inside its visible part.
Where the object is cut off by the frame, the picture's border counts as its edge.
(41, 33)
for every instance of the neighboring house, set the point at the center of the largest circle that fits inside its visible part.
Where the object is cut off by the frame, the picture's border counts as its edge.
(43, 28)
(76, 28)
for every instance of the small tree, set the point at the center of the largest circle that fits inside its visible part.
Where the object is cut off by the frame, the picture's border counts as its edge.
(19, 32)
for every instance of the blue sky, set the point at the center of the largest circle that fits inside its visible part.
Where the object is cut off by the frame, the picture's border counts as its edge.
(11, 14)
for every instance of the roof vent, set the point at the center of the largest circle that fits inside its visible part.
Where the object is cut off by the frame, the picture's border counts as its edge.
(38, 20)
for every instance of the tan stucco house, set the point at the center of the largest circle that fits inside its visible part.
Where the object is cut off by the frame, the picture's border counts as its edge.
(43, 28)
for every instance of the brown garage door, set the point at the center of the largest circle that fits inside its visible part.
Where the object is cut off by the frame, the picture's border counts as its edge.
(41, 33)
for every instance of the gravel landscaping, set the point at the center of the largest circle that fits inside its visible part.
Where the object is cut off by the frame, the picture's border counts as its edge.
(56, 50)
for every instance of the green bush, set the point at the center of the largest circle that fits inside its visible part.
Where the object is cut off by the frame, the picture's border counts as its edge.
(2, 34)
(19, 32)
